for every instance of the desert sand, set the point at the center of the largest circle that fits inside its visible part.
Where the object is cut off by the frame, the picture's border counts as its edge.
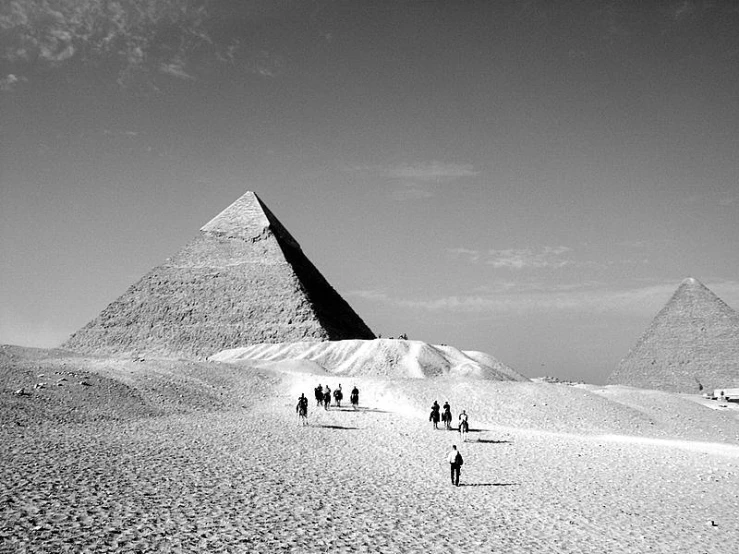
(143, 455)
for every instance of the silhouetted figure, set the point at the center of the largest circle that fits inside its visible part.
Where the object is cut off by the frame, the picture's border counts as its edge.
(326, 397)
(302, 409)
(455, 461)
(446, 416)
(434, 416)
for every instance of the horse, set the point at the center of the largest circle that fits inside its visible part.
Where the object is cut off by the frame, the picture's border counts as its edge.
(434, 417)
(338, 395)
(446, 418)
(303, 414)
(354, 398)
(326, 399)
(302, 410)
(319, 395)
(464, 428)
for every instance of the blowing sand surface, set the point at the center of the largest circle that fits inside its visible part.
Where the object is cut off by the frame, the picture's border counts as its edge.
(548, 468)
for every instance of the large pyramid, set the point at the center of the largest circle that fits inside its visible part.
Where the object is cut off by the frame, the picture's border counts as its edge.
(691, 345)
(242, 280)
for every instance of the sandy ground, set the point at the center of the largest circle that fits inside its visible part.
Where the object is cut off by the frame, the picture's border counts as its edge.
(186, 457)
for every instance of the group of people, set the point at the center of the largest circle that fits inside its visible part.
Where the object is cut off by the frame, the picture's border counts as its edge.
(454, 457)
(323, 397)
(446, 417)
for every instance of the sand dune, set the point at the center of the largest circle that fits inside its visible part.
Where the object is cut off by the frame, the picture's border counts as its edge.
(379, 357)
(192, 457)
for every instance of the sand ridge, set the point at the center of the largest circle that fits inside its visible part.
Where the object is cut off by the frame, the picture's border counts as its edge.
(242, 475)
(380, 357)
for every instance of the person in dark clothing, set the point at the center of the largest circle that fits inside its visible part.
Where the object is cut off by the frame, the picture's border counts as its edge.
(455, 462)
(435, 416)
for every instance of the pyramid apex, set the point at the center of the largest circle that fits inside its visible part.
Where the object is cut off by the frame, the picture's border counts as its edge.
(247, 218)
(691, 281)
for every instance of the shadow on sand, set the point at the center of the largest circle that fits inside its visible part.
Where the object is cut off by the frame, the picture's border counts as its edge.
(489, 484)
(359, 410)
(493, 441)
(335, 427)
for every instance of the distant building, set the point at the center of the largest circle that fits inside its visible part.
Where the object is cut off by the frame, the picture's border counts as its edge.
(243, 280)
(691, 346)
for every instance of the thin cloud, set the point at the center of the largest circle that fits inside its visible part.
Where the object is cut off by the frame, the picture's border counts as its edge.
(517, 259)
(431, 171)
(412, 191)
(418, 181)
(141, 39)
(511, 300)
(175, 70)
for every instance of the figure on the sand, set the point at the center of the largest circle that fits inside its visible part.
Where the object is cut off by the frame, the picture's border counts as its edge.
(354, 397)
(338, 395)
(434, 416)
(326, 397)
(446, 416)
(302, 409)
(319, 395)
(455, 462)
(464, 425)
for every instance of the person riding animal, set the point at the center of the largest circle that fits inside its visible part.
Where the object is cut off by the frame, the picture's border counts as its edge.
(446, 416)
(434, 416)
(302, 409)
(464, 425)
(354, 397)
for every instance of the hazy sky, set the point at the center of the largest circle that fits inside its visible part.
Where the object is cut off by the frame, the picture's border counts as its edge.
(532, 179)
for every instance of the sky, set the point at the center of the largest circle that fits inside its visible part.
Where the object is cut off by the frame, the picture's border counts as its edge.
(531, 179)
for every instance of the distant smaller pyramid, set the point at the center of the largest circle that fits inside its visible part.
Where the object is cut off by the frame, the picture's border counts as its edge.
(691, 345)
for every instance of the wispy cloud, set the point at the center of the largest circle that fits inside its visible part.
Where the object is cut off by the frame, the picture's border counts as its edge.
(412, 191)
(514, 300)
(517, 258)
(418, 181)
(175, 69)
(431, 171)
(9, 82)
(142, 39)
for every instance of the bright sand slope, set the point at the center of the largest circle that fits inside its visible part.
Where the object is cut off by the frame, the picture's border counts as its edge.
(174, 456)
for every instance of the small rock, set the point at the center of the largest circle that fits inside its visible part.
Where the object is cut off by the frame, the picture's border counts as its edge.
(20, 392)
(85, 383)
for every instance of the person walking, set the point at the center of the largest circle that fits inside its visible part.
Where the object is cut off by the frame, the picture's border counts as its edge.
(455, 462)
